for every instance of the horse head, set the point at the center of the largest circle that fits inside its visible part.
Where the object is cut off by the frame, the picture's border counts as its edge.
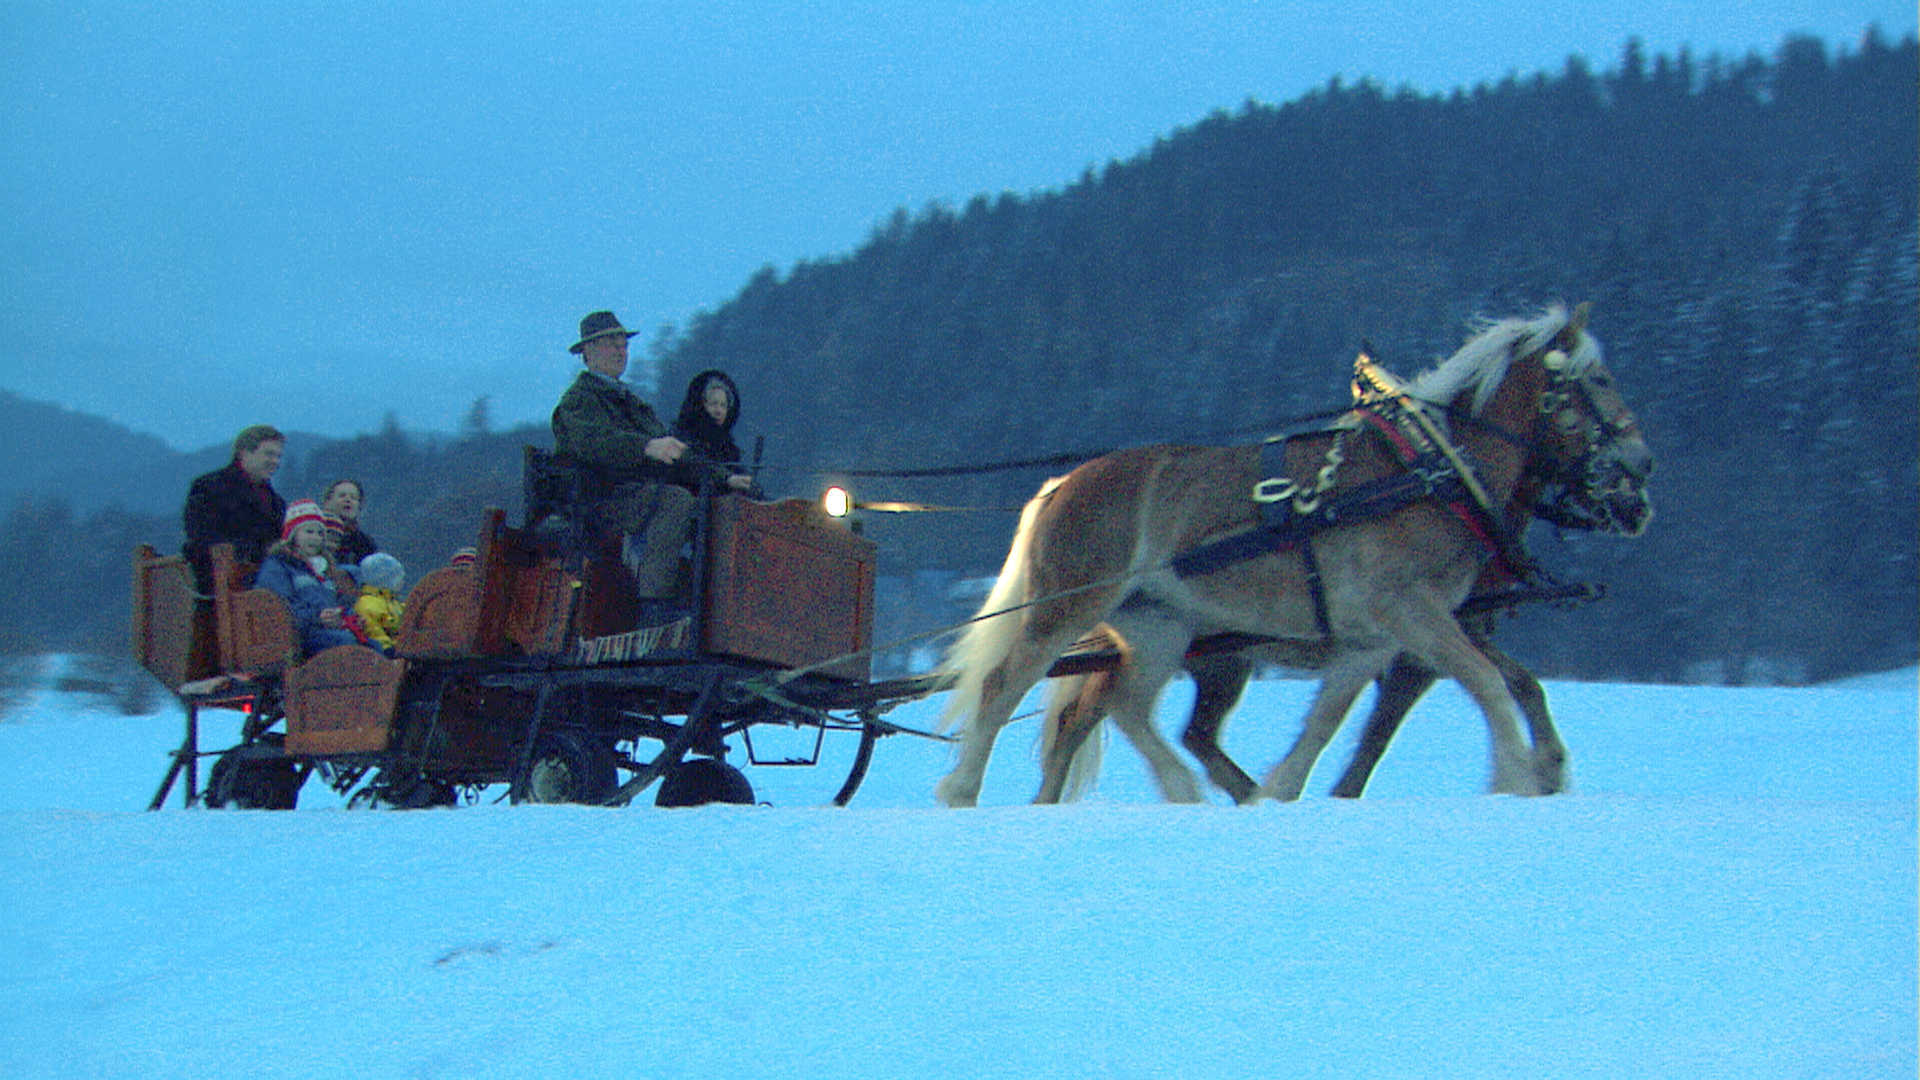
(1540, 387)
(1595, 462)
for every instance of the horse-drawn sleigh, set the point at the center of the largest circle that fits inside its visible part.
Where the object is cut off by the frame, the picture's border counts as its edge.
(1337, 550)
(525, 668)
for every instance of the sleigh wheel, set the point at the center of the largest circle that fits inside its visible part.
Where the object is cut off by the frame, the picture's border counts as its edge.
(244, 780)
(699, 781)
(568, 767)
(862, 758)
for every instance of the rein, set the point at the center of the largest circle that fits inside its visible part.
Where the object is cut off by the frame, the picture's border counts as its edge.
(1049, 461)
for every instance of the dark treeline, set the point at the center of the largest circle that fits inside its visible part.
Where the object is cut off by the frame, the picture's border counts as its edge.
(1745, 228)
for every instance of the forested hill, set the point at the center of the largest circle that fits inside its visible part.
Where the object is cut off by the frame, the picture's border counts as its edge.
(1745, 229)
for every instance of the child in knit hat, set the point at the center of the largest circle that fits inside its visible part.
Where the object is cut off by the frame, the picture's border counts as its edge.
(295, 569)
(344, 577)
(380, 606)
(336, 529)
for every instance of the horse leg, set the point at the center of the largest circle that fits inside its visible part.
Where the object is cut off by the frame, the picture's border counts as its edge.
(1154, 645)
(1338, 687)
(961, 787)
(1004, 684)
(1395, 692)
(1549, 753)
(1075, 707)
(1218, 682)
(1001, 689)
(1080, 543)
(1134, 718)
(1431, 632)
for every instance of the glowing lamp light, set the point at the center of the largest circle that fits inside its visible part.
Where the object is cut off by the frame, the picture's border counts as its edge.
(836, 502)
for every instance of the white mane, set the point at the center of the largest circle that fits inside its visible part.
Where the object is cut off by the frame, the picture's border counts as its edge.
(1482, 362)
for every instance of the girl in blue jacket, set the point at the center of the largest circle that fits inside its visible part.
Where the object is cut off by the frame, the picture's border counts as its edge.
(295, 569)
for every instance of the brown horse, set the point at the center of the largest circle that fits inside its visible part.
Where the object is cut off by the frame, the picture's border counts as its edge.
(1532, 411)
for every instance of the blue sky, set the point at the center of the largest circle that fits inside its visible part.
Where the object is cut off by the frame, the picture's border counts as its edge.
(313, 214)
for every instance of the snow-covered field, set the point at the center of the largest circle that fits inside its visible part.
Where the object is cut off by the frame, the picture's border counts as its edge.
(1729, 892)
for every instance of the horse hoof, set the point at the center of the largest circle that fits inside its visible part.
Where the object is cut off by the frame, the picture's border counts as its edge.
(1551, 778)
(1522, 789)
(951, 795)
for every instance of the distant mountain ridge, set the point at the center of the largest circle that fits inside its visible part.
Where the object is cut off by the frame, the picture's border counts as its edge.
(90, 461)
(51, 451)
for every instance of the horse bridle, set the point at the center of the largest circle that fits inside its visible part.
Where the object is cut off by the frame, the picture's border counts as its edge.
(1603, 431)
(1576, 486)
(1562, 387)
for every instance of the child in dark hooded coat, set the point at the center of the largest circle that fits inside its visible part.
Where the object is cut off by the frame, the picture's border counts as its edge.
(705, 424)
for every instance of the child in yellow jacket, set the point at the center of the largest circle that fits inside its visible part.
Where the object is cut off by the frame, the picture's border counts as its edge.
(380, 606)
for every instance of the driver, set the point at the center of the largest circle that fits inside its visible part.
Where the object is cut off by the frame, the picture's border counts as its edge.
(628, 452)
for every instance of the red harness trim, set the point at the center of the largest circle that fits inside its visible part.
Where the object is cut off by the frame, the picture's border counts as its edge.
(1499, 570)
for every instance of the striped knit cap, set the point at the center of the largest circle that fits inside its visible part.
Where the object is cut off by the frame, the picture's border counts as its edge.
(299, 512)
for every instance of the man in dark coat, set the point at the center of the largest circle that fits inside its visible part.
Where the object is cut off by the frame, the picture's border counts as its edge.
(603, 425)
(236, 504)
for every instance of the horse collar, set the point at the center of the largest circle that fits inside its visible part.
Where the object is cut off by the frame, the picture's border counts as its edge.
(1413, 421)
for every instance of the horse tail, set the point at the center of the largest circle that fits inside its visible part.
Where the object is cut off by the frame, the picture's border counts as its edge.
(989, 638)
(1084, 768)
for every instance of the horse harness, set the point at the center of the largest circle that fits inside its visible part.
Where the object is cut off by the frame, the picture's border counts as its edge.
(1432, 468)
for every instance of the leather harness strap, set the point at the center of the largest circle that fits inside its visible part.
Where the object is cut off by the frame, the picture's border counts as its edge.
(1432, 469)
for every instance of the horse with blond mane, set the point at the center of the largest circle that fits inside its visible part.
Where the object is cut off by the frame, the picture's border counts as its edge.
(1352, 545)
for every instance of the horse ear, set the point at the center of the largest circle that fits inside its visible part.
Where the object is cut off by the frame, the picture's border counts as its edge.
(1569, 335)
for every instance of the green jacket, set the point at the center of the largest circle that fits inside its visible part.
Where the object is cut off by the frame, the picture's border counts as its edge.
(602, 424)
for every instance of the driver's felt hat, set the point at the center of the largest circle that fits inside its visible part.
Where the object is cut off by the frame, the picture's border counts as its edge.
(598, 324)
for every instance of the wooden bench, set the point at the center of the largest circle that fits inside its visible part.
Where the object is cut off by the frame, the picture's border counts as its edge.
(252, 625)
(559, 526)
(785, 584)
(512, 601)
(442, 618)
(342, 701)
(789, 586)
(172, 632)
(183, 638)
